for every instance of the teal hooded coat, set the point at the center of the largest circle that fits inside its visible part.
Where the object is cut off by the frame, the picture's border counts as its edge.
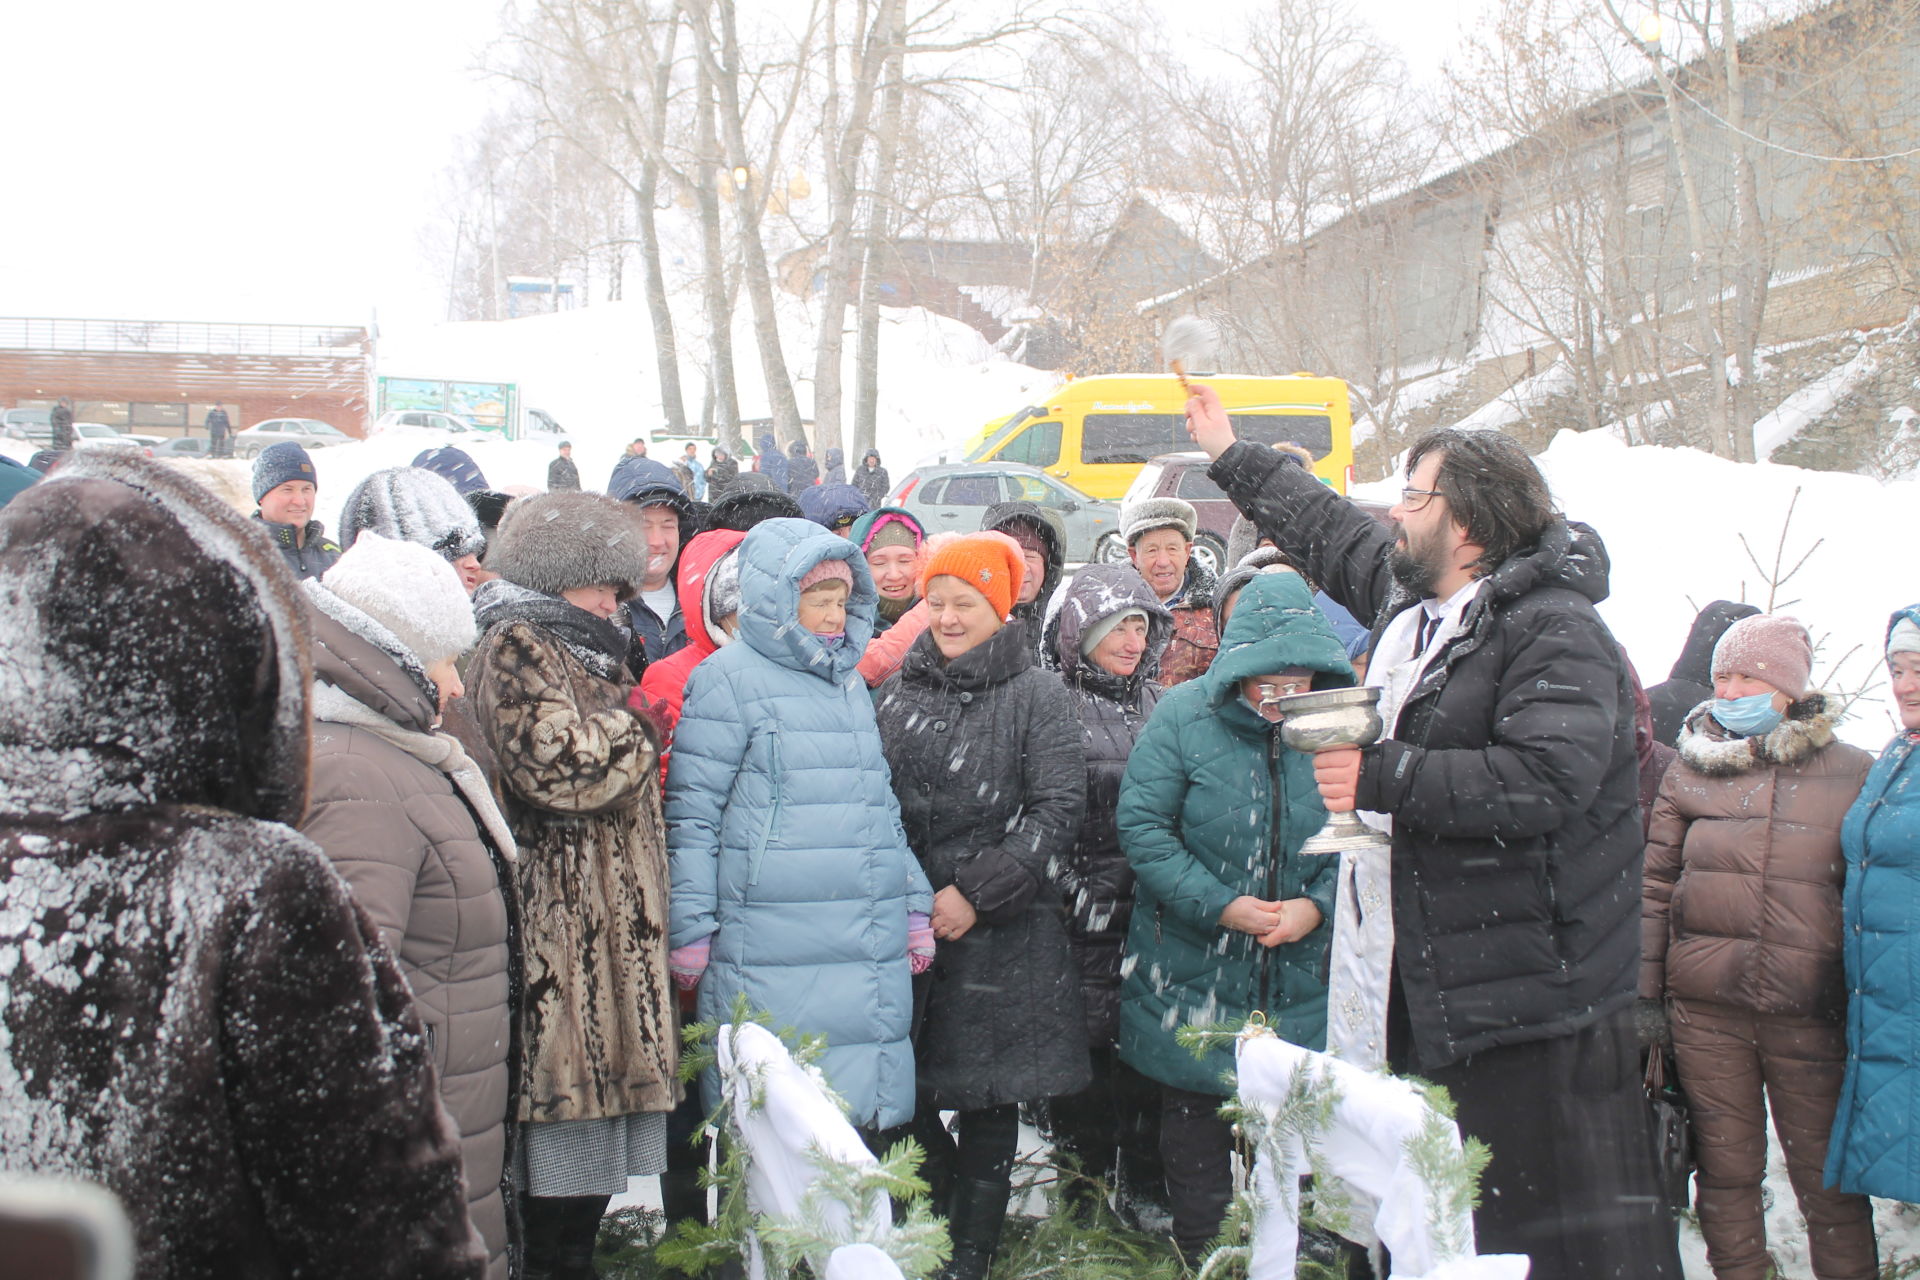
(785, 837)
(1873, 1149)
(1214, 806)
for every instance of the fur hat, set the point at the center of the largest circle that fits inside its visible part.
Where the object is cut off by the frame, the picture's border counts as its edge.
(554, 542)
(1769, 647)
(990, 563)
(1149, 514)
(279, 463)
(413, 505)
(408, 590)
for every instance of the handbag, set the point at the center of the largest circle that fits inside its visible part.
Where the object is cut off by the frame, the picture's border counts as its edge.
(1672, 1129)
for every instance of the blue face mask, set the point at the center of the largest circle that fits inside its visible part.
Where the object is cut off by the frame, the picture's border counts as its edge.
(1753, 714)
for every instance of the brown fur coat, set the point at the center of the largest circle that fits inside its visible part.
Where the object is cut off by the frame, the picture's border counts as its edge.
(581, 777)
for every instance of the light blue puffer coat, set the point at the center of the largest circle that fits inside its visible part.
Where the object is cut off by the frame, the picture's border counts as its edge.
(1875, 1147)
(785, 835)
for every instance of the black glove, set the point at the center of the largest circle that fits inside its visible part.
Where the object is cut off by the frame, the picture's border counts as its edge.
(1650, 1024)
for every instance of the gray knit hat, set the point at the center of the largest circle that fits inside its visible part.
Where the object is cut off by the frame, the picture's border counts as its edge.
(413, 504)
(554, 542)
(1149, 514)
(279, 463)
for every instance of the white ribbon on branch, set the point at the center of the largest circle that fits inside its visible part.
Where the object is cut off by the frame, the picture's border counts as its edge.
(1383, 1140)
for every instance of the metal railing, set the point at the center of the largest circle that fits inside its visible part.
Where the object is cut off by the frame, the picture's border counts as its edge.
(183, 337)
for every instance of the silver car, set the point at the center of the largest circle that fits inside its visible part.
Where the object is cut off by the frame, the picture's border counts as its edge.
(955, 497)
(309, 433)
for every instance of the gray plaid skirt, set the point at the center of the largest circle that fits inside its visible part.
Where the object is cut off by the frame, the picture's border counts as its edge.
(593, 1157)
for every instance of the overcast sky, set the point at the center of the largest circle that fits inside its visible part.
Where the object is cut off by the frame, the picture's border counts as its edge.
(247, 160)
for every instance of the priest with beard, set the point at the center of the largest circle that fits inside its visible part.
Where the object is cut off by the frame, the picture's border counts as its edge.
(1508, 781)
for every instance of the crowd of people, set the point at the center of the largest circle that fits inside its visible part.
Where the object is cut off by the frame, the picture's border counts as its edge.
(357, 911)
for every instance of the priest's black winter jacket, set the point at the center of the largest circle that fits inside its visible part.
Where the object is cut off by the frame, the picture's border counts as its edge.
(1511, 777)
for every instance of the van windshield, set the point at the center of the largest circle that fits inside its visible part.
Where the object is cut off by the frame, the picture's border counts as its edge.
(1134, 437)
(1005, 429)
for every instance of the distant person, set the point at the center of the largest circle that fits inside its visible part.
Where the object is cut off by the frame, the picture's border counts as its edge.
(691, 460)
(770, 462)
(561, 473)
(1691, 681)
(638, 449)
(219, 433)
(836, 471)
(284, 489)
(802, 471)
(61, 421)
(722, 471)
(872, 480)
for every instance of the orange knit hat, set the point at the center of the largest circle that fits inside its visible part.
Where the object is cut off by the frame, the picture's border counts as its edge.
(990, 563)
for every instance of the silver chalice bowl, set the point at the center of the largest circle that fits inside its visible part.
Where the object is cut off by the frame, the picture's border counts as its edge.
(1320, 721)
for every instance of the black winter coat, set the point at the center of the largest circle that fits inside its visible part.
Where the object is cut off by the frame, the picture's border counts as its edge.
(60, 422)
(1691, 681)
(1512, 777)
(309, 557)
(196, 1014)
(991, 778)
(802, 471)
(721, 473)
(1097, 880)
(562, 474)
(873, 483)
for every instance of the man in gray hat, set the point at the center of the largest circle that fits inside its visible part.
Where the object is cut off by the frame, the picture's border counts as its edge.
(1159, 534)
(283, 486)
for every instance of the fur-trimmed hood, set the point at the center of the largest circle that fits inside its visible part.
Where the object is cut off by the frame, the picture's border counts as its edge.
(210, 708)
(554, 542)
(1707, 746)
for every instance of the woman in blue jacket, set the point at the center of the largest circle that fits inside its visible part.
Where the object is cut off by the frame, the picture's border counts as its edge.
(792, 879)
(1873, 1150)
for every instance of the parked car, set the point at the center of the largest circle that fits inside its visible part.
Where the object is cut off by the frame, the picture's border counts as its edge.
(432, 419)
(955, 496)
(309, 433)
(184, 447)
(1184, 476)
(27, 424)
(98, 435)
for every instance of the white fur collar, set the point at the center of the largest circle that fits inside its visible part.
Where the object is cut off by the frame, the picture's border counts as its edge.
(1707, 748)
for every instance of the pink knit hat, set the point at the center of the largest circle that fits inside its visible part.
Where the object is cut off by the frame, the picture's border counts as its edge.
(832, 569)
(1769, 647)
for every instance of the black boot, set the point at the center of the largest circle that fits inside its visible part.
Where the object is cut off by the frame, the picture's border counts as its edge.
(580, 1232)
(976, 1214)
(542, 1220)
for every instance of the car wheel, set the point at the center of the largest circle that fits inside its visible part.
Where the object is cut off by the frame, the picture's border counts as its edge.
(1211, 553)
(1110, 550)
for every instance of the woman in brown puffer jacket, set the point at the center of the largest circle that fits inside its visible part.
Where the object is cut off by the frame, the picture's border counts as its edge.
(581, 778)
(411, 825)
(1742, 940)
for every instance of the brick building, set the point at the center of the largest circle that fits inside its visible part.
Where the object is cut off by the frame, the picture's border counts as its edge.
(161, 377)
